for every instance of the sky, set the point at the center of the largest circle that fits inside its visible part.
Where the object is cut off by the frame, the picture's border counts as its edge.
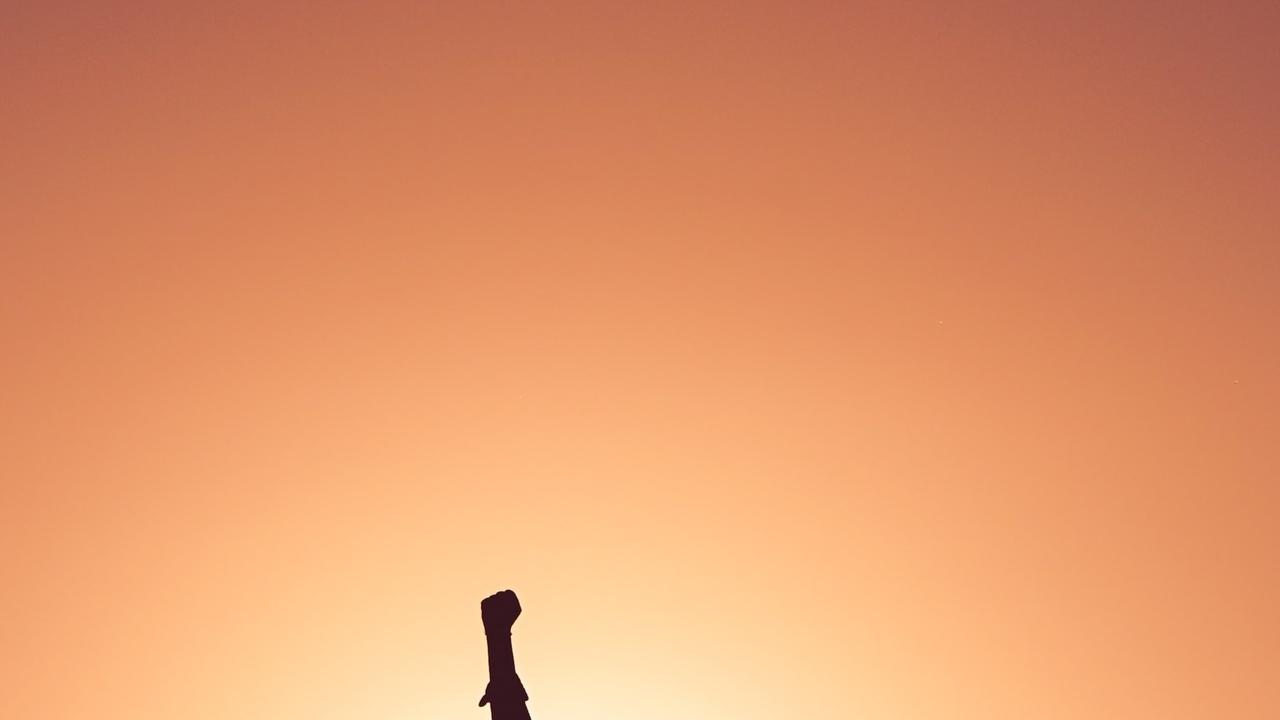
(884, 360)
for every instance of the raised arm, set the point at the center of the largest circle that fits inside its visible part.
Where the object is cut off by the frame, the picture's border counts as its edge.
(505, 694)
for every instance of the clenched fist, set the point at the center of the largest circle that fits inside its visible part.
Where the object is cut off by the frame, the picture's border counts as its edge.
(499, 612)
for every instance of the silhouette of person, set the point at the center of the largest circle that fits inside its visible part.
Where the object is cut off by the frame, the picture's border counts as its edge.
(505, 693)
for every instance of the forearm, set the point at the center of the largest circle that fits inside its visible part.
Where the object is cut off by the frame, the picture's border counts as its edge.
(502, 662)
(505, 692)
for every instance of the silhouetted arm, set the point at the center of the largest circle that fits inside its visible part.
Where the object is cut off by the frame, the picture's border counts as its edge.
(505, 693)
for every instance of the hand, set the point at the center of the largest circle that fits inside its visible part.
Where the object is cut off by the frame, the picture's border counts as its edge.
(499, 612)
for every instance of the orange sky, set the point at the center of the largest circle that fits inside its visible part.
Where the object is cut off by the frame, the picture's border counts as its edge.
(892, 361)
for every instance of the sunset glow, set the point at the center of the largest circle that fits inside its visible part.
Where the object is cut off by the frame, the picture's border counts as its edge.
(888, 361)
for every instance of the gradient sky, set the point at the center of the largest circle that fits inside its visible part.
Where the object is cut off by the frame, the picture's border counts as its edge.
(891, 361)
